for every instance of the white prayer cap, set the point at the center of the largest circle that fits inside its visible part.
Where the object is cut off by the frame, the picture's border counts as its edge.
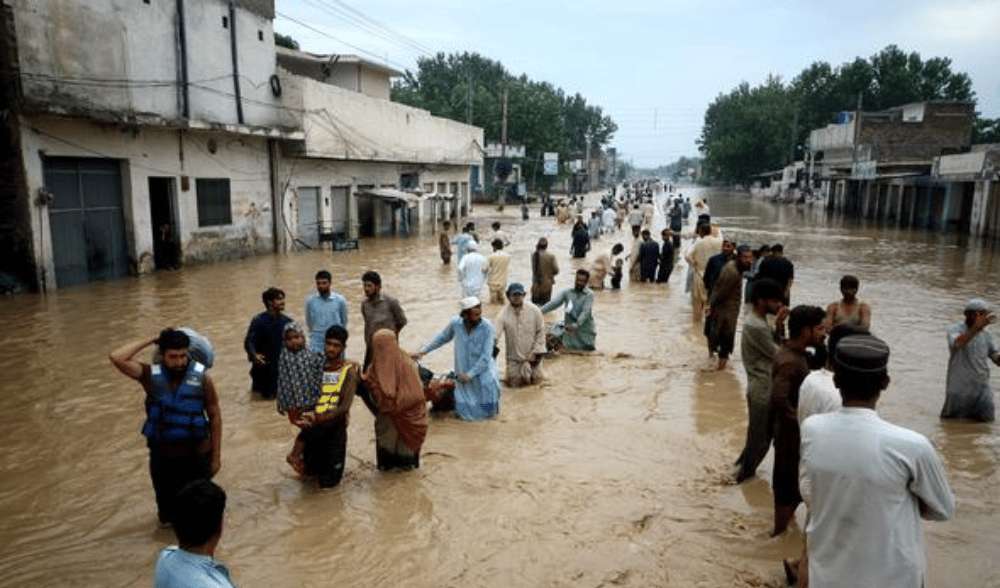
(976, 304)
(469, 302)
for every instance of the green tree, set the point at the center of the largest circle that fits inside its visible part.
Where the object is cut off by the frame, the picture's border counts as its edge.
(285, 41)
(887, 79)
(986, 130)
(747, 131)
(470, 88)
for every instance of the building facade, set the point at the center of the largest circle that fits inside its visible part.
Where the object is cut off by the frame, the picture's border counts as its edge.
(150, 134)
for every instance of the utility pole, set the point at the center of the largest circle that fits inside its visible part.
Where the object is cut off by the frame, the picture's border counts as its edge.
(503, 128)
(468, 116)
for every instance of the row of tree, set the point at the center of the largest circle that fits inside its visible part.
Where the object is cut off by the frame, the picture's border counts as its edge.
(753, 130)
(470, 88)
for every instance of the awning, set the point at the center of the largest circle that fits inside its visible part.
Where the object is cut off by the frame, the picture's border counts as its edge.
(438, 196)
(393, 195)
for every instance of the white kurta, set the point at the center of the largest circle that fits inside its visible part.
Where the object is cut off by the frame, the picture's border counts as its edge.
(471, 275)
(867, 479)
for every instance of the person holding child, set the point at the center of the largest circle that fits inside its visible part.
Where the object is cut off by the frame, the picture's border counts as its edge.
(323, 438)
(300, 372)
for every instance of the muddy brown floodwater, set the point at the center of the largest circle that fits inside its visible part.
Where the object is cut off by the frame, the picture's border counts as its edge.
(612, 473)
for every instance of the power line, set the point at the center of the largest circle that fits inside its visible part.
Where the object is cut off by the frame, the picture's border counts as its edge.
(370, 26)
(331, 37)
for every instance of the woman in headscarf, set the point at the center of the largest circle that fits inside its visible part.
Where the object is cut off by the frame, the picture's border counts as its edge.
(400, 408)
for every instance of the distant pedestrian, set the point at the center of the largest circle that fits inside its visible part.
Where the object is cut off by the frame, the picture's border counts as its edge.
(498, 233)
(848, 310)
(444, 243)
(971, 348)
(666, 258)
(705, 246)
(461, 242)
(472, 271)
(603, 265)
(543, 272)
(496, 271)
(725, 302)
(649, 257)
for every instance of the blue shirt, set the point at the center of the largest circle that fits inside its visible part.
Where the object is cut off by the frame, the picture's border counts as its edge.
(176, 568)
(321, 314)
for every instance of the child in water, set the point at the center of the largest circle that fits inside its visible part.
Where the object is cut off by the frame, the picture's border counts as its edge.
(616, 275)
(300, 373)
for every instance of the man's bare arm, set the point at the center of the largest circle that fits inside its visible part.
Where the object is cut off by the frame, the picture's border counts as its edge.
(123, 357)
(214, 423)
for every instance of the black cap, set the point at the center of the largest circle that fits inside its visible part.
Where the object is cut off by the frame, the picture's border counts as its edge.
(862, 354)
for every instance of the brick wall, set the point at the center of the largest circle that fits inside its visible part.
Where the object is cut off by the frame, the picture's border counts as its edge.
(946, 128)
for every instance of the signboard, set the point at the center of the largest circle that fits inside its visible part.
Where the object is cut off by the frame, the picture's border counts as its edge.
(551, 164)
(345, 245)
(864, 170)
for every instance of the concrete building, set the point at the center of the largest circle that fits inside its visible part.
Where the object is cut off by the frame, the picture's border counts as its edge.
(145, 134)
(359, 151)
(878, 164)
(976, 177)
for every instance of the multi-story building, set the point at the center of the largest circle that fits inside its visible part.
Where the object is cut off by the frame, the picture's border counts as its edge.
(153, 133)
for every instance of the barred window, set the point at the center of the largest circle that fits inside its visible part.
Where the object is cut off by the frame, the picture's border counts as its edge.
(213, 202)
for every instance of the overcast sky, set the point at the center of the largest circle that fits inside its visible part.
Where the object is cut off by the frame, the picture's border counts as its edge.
(655, 65)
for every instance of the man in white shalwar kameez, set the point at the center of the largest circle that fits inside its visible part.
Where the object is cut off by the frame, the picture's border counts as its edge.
(470, 271)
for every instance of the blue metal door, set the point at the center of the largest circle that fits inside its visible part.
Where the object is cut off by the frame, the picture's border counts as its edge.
(86, 220)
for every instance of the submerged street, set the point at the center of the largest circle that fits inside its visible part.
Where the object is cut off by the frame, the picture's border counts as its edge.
(613, 472)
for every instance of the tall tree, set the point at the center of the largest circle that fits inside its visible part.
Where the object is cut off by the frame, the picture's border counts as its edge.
(887, 79)
(470, 88)
(747, 131)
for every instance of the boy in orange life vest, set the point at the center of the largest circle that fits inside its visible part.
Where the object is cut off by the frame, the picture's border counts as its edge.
(324, 430)
(183, 426)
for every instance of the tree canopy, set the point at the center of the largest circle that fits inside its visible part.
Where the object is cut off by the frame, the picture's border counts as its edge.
(753, 130)
(470, 88)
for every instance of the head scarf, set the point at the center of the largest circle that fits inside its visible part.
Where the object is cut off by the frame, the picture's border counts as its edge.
(394, 382)
(300, 374)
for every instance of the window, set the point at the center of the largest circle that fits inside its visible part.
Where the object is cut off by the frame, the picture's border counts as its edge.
(213, 202)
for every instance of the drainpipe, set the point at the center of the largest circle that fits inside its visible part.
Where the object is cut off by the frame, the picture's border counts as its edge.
(182, 41)
(236, 69)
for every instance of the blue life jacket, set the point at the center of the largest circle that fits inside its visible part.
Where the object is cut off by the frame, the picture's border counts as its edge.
(176, 416)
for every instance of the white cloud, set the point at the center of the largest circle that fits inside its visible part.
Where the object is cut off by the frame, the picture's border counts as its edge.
(955, 23)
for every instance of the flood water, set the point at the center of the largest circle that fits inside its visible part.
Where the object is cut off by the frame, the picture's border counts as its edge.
(612, 473)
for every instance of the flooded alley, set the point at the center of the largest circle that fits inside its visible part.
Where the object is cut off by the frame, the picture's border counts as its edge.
(613, 472)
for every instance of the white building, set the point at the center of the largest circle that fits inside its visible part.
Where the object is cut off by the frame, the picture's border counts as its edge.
(145, 133)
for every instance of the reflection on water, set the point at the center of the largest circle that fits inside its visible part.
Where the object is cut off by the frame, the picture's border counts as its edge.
(611, 472)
